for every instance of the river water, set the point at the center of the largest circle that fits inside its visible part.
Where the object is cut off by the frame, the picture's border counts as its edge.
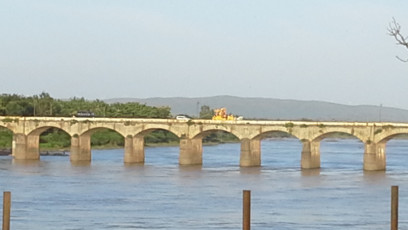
(106, 194)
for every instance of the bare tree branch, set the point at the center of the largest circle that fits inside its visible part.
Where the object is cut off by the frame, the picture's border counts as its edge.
(394, 30)
(401, 59)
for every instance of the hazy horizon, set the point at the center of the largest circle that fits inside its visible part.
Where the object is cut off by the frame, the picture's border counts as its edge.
(332, 51)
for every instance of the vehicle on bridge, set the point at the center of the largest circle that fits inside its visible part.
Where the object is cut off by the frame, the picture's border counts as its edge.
(85, 114)
(183, 117)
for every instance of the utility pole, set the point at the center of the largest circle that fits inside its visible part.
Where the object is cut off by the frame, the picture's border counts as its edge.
(198, 109)
(34, 106)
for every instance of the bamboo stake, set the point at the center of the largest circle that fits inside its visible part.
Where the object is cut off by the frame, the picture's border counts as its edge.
(394, 208)
(6, 210)
(246, 221)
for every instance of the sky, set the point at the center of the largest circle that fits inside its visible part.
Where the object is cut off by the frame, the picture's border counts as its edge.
(334, 51)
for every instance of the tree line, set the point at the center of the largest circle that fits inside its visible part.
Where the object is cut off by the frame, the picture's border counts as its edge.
(53, 138)
(44, 105)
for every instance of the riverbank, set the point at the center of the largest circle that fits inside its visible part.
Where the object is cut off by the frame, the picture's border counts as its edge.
(65, 151)
(5, 152)
(54, 152)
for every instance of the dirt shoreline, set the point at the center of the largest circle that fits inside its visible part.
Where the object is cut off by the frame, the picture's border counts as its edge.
(65, 152)
(7, 152)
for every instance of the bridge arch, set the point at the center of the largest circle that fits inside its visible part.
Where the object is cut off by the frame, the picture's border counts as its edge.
(176, 129)
(267, 133)
(88, 140)
(339, 148)
(394, 148)
(202, 134)
(40, 129)
(271, 151)
(148, 130)
(33, 139)
(90, 131)
(11, 123)
(150, 137)
(191, 146)
(205, 131)
(81, 144)
(328, 133)
(390, 135)
(212, 138)
(5, 127)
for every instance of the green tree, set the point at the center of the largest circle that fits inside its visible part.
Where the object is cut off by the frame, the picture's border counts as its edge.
(54, 138)
(44, 105)
(206, 112)
(6, 137)
(2, 107)
(160, 136)
(18, 108)
(107, 138)
(220, 137)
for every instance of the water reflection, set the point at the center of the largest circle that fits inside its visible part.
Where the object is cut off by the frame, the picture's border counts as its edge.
(310, 172)
(375, 177)
(250, 170)
(27, 163)
(80, 163)
(133, 165)
(190, 168)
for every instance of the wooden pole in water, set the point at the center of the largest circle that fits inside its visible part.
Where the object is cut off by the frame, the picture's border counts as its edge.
(6, 210)
(246, 221)
(394, 208)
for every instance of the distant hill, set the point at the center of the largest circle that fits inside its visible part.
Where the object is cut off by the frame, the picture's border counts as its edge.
(276, 109)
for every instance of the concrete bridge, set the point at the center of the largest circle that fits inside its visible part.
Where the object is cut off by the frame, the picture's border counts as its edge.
(27, 130)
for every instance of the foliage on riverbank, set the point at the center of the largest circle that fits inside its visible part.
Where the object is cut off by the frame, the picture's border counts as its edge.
(6, 137)
(44, 105)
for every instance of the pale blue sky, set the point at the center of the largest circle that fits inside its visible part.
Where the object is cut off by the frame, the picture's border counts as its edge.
(336, 51)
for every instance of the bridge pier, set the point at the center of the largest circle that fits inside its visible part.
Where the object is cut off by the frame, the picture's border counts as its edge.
(310, 155)
(19, 146)
(80, 148)
(374, 156)
(250, 152)
(134, 149)
(25, 147)
(191, 151)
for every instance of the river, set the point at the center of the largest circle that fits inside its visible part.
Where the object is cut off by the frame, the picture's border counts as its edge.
(106, 194)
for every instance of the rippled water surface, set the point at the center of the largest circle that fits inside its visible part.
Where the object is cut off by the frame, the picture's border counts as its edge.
(106, 194)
